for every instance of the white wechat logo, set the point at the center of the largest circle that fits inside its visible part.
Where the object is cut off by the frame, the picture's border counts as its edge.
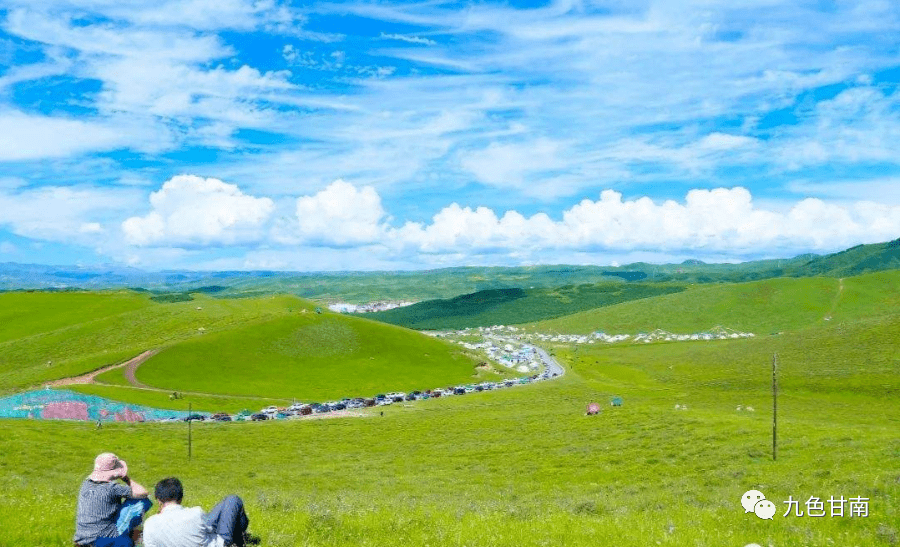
(764, 509)
(754, 501)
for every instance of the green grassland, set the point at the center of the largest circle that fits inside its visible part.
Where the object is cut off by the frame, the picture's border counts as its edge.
(525, 466)
(277, 347)
(69, 333)
(309, 356)
(761, 307)
(508, 306)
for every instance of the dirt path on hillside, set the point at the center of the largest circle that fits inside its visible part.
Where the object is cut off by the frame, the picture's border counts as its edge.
(91, 377)
(131, 367)
(837, 298)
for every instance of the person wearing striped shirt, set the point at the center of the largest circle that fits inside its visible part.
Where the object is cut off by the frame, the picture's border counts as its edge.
(109, 513)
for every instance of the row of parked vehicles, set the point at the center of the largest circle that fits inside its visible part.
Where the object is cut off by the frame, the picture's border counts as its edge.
(382, 399)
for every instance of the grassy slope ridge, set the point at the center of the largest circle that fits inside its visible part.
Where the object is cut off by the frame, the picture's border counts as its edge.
(507, 306)
(309, 356)
(760, 307)
(77, 332)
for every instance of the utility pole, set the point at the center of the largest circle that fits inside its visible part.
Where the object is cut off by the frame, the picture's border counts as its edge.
(774, 408)
(190, 420)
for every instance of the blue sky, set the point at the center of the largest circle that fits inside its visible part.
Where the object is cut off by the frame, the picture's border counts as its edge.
(260, 134)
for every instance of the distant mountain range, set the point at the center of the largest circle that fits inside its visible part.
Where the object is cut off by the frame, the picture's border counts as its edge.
(362, 287)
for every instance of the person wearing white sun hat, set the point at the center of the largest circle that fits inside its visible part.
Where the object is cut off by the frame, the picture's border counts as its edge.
(109, 513)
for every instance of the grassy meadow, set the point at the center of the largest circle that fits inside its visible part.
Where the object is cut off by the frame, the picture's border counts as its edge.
(518, 467)
(313, 357)
(234, 352)
(761, 307)
(525, 466)
(55, 335)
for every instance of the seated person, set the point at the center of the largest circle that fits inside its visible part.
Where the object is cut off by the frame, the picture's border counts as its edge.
(177, 526)
(109, 513)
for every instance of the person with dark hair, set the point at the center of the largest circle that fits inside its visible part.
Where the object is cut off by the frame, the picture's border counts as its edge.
(177, 526)
(109, 513)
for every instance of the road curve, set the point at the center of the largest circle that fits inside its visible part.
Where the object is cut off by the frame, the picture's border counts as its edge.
(553, 366)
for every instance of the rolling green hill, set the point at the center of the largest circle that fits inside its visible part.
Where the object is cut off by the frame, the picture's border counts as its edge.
(309, 356)
(63, 334)
(508, 306)
(854, 261)
(274, 346)
(761, 307)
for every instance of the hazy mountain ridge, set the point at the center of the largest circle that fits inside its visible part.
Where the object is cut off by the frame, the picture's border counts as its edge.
(443, 283)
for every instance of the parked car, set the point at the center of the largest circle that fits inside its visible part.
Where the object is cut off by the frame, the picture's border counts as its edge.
(270, 411)
(459, 391)
(221, 417)
(194, 417)
(259, 416)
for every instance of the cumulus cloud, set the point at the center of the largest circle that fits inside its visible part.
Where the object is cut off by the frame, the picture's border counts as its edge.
(191, 210)
(341, 215)
(718, 221)
(707, 222)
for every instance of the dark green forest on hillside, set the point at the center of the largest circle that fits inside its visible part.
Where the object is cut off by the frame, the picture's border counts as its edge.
(511, 306)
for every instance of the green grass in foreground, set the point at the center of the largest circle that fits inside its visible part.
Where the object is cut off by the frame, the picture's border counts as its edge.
(525, 467)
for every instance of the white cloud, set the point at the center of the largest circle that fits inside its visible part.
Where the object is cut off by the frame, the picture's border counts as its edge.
(885, 190)
(409, 39)
(724, 141)
(510, 164)
(721, 221)
(190, 210)
(7, 248)
(64, 214)
(27, 137)
(860, 124)
(341, 215)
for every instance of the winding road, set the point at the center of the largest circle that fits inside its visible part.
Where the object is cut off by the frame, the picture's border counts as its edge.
(553, 366)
